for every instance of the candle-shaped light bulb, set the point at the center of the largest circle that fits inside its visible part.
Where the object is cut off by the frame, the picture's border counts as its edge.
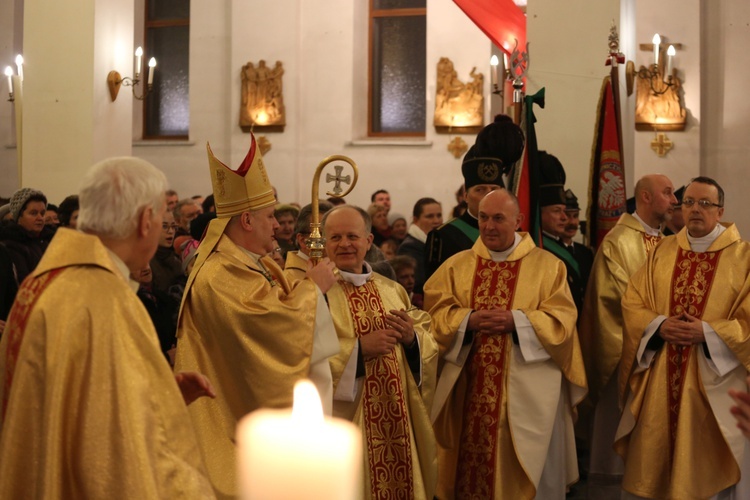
(9, 74)
(151, 70)
(494, 61)
(19, 65)
(670, 55)
(656, 41)
(138, 56)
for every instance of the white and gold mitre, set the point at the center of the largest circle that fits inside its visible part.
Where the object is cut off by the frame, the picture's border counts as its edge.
(247, 188)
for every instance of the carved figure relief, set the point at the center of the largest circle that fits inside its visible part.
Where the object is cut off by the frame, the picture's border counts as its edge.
(262, 103)
(458, 104)
(659, 112)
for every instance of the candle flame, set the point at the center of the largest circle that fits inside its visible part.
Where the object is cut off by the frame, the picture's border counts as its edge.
(671, 51)
(307, 406)
(494, 61)
(656, 39)
(19, 59)
(8, 71)
(139, 51)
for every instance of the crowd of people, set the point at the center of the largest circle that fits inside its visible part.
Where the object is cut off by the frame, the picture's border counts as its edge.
(139, 327)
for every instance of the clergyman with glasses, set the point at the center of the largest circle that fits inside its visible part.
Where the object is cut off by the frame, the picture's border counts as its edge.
(685, 345)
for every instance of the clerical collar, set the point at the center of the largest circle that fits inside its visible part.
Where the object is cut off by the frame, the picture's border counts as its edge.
(471, 214)
(123, 268)
(417, 233)
(357, 279)
(503, 256)
(265, 272)
(649, 230)
(701, 244)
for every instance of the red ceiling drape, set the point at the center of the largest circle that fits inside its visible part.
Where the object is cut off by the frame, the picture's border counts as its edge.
(501, 20)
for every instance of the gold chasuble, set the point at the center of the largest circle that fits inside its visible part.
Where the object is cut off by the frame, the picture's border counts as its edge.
(498, 418)
(622, 252)
(90, 408)
(250, 334)
(677, 435)
(295, 268)
(389, 407)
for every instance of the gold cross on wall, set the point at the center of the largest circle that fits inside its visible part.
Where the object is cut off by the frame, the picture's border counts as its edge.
(457, 147)
(661, 145)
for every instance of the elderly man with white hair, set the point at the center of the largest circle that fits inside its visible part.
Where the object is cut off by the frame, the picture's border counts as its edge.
(90, 408)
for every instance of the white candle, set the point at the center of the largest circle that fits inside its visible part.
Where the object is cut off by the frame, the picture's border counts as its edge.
(670, 55)
(288, 455)
(19, 65)
(494, 61)
(656, 41)
(151, 70)
(138, 55)
(9, 74)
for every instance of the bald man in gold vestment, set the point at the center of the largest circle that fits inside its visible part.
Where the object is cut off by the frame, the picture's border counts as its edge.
(512, 374)
(90, 407)
(686, 344)
(242, 323)
(622, 252)
(385, 374)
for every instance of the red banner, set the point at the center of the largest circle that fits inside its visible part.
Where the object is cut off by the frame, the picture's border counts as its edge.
(607, 181)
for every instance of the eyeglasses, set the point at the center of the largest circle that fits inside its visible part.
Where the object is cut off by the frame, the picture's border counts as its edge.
(168, 227)
(704, 204)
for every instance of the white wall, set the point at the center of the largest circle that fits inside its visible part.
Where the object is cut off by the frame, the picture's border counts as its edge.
(323, 47)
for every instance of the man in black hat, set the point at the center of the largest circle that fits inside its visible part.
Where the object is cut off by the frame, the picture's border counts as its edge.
(583, 254)
(554, 220)
(497, 148)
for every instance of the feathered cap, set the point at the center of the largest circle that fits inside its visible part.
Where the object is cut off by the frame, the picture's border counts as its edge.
(247, 188)
(551, 180)
(498, 146)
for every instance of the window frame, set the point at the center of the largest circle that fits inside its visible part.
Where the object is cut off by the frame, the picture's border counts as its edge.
(160, 23)
(372, 15)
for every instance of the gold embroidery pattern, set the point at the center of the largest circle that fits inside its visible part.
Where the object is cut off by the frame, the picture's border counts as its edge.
(26, 298)
(385, 417)
(691, 282)
(494, 287)
(649, 242)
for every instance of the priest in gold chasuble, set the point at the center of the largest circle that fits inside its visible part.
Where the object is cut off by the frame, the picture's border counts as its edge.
(622, 252)
(384, 376)
(512, 369)
(89, 406)
(242, 324)
(686, 343)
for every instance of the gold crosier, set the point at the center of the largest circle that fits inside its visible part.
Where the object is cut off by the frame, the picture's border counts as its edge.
(315, 242)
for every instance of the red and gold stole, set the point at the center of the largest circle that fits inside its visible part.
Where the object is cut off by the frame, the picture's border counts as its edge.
(493, 288)
(26, 298)
(386, 420)
(692, 278)
(649, 242)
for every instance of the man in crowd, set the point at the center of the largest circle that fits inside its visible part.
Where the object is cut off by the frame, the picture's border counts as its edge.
(497, 148)
(582, 254)
(686, 343)
(184, 212)
(172, 199)
(296, 261)
(554, 220)
(90, 408)
(513, 371)
(386, 366)
(381, 197)
(622, 252)
(242, 324)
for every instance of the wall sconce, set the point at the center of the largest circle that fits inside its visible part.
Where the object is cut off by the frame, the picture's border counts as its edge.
(497, 88)
(114, 80)
(9, 74)
(658, 81)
